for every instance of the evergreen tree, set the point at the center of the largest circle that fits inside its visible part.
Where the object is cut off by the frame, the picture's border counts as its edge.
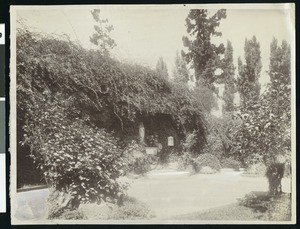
(202, 53)
(180, 72)
(249, 73)
(228, 79)
(161, 68)
(267, 123)
(101, 35)
(279, 92)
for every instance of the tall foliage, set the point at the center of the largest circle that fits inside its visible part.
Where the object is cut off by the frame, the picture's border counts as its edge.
(249, 73)
(161, 68)
(180, 72)
(266, 126)
(101, 37)
(202, 53)
(228, 79)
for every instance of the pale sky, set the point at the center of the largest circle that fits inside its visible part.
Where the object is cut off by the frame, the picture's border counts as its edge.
(144, 34)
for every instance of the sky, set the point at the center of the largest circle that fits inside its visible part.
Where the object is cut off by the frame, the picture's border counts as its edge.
(143, 34)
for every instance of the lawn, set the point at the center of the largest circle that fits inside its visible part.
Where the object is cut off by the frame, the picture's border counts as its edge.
(279, 210)
(170, 193)
(178, 195)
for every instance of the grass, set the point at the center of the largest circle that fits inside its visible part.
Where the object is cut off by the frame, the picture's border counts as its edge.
(279, 210)
(132, 209)
(228, 212)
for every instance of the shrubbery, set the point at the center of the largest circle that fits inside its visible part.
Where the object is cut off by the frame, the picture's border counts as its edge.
(136, 159)
(185, 160)
(258, 169)
(197, 163)
(230, 163)
(77, 158)
(132, 209)
(72, 215)
(257, 201)
(204, 160)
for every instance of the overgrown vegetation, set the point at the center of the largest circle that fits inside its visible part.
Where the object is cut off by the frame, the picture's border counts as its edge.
(136, 159)
(77, 109)
(79, 113)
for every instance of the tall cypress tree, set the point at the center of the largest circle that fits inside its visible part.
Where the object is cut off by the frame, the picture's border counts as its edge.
(280, 81)
(180, 72)
(228, 79)
(161, 68)
(247, 83)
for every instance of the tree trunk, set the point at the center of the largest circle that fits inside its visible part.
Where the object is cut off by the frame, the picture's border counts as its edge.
(274, 174)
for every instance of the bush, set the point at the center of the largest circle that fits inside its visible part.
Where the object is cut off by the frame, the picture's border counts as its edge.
(185, 160)
(259, 201)
(214, 146)
(95, 211)
(76, 157)
(209, 160)
(189, 141)
(58, 203)
(207, 170)
(132, 209)
(258, 169)
(230, 163)
(73, 215)
(136, 159)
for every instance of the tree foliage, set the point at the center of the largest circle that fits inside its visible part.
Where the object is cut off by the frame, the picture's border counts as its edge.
(267, 123)
(228, 79)
(249, 73)
(206, 97)
(161, 68)
(202, 53)
(180, 73)
(101, 37)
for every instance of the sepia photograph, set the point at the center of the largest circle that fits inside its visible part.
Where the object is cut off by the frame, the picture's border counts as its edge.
(153, 114)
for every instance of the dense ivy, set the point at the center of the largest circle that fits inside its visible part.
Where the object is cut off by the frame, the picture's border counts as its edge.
(69, 99)
(113, 95)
